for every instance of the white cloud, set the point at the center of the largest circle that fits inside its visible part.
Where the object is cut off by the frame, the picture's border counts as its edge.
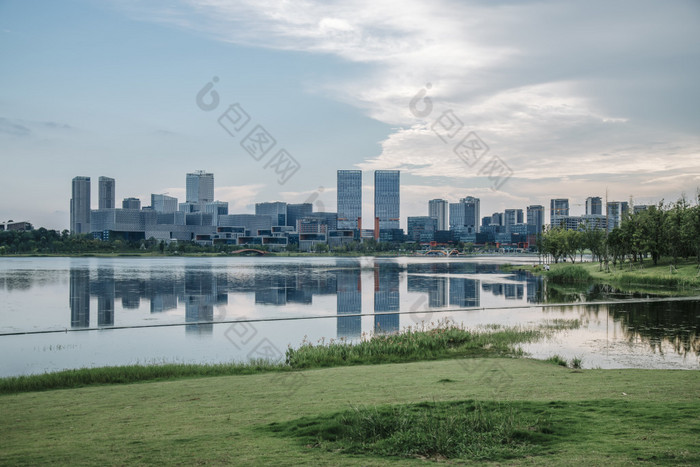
(545, 85)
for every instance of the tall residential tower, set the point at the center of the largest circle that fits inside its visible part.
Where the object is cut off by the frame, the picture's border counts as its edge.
(558, 210)
(80, 206)
(387, 202)
(438, 208)
(349, 199)
(200, 187)
(106, 195)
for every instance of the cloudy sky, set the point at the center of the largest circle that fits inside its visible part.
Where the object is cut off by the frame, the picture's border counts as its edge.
(570, 98)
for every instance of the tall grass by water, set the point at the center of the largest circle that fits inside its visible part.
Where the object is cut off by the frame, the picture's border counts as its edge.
(446, 340)
(568, 274)
(681, 276)
(129, 374)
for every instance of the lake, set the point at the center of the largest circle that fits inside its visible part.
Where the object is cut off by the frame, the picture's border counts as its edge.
(60, 313)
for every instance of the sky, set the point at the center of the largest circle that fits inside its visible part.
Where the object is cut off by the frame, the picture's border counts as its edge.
(513, 102)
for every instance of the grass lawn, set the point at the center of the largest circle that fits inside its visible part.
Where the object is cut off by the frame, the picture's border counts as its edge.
(681, 279)
(595, 417)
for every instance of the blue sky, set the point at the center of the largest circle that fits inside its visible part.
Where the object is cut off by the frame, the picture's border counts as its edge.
(574, 99)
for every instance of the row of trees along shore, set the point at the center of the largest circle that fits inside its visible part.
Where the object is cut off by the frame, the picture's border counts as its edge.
(669, 230)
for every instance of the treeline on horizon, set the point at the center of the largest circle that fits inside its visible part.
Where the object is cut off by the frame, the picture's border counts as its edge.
(671, 230)
(45, 241)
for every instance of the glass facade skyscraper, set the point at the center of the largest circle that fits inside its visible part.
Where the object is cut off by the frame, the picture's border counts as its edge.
(298, 211)
(594, 206)
(163, 203)
(80, 206)
(513, 216)
(558, 210)
(437, 208)
(131, 203)
(200, 187)
(106, 193)
(465, 216)
(276, 210)
(387, 201)
(421, 228)
(535, 219)
(349, 186)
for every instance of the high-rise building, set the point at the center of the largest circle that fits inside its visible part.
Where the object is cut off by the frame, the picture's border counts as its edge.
(276, 210)
(535, 219)
(349, 192)
(216, 209)
(421, 228)
(594, 206)
(465, 216)
(80, 206)
(387, 202)
(558, 210)
(297, 211)
(200, 187)
(163, 203)
(106, 195)
(513, 216)
(438, 208)
(497, 218)
(131, 203)
(615, 213)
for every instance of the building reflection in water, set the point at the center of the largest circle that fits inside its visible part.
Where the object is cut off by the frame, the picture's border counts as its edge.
(464, 292)
(349, 301)
(535, 288)
(79, 298)
(200, 296)
(104, 289)
(434, 285)
(386, 297)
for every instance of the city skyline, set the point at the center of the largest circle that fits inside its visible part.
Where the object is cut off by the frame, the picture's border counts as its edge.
(463, 217)
(573, 98)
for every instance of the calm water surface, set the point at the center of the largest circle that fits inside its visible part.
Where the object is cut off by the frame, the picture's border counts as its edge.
(59, 313)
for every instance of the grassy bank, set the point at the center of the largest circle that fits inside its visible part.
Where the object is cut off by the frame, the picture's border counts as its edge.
(684, 275)
(586, 417)
(445, 341)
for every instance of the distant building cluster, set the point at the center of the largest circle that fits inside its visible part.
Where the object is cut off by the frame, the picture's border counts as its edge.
(204, 220)
(13, 225)
(277, 225)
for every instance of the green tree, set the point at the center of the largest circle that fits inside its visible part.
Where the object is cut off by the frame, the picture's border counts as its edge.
(651, 223)
(690, 230)
(676, 241)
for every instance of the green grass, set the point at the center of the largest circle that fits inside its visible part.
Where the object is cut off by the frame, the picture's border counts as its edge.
(568, 274)
(557, 360)
(576, 362)
(596, 417)
(445, 341)
(129, 374)
(684, 275)
(448, 430)
(503, 431)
